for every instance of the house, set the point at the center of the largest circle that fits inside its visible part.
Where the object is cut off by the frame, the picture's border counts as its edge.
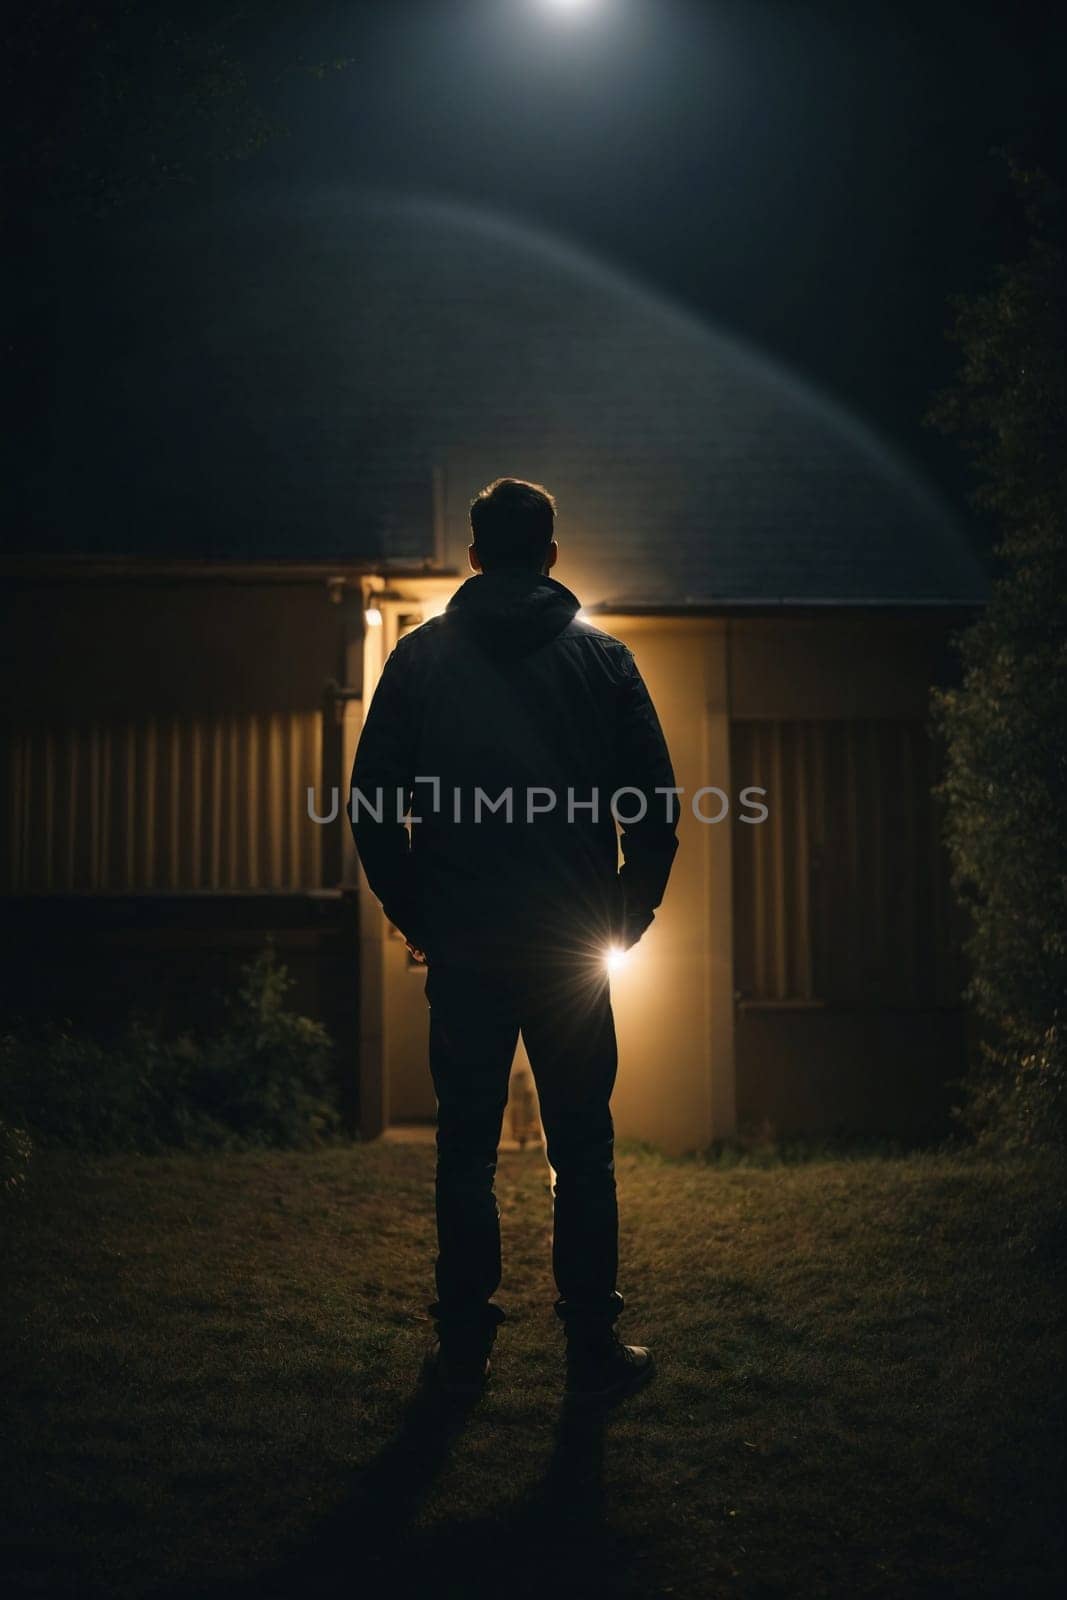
(298, 399)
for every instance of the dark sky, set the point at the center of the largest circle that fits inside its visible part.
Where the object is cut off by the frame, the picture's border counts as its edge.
(814, 176)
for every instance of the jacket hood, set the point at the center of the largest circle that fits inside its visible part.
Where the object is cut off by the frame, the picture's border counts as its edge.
(512, 613)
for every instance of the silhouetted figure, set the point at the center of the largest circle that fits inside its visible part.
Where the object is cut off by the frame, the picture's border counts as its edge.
(516, 732)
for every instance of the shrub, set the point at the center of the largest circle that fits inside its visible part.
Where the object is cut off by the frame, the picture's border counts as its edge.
(264, 1079)
(1005, 727)
(268, 1075)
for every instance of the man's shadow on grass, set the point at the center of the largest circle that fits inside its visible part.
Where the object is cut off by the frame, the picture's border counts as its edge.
(369, 1547)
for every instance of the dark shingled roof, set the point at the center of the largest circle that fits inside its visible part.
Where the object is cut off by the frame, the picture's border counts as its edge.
(280, 381)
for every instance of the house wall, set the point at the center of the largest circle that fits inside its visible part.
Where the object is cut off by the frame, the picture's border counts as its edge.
(847, 965)
(395, 1084)
(673, 999)
(699, 1057)
(159, 730)
(161, 734)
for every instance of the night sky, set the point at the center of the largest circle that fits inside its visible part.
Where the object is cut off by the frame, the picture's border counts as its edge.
(815, 177)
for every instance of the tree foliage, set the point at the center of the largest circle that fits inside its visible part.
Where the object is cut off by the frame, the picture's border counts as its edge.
(1005, 726)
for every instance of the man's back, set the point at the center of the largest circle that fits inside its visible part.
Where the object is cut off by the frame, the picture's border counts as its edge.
(520, 737)
(513, 724)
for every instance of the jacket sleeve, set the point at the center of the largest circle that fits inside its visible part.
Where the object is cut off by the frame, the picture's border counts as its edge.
(380, 792)
(649, 842)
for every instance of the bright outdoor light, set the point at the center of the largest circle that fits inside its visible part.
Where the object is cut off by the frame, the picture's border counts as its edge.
(616, 957)
(568, 7)
(372, 617)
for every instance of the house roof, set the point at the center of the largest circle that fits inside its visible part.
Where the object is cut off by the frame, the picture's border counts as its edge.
(279, 380)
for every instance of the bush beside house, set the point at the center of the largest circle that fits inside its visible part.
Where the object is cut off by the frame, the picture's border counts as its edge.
(267, 1077)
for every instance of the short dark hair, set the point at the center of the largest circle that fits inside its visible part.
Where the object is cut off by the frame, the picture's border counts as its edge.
(512, 522)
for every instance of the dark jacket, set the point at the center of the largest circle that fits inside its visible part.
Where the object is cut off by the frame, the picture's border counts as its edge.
(508, 692)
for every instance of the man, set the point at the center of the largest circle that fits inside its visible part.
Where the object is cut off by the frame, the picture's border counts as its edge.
(518, 735)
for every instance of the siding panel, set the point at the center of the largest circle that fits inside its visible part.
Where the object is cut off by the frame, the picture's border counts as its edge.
(177, 803)
(842, 895)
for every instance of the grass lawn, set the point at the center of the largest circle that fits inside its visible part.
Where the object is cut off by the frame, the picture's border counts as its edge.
(212, 1362)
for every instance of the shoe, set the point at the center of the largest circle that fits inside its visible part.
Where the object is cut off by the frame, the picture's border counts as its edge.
(457, 1372)
(458, 1363)
(605, 1368)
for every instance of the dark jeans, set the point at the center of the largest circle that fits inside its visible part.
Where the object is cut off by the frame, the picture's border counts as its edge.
(564, 1015)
